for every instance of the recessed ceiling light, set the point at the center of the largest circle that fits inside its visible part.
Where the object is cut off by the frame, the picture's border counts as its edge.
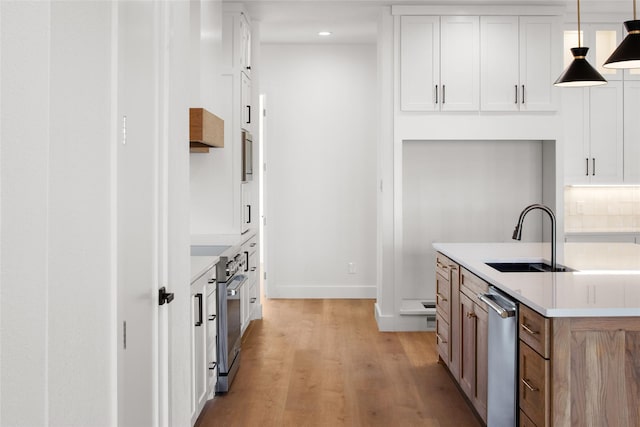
(324, 33)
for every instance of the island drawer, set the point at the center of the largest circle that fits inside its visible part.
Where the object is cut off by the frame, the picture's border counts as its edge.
(443, 265)
(442, 338)
(443, 296)
(534, 385)
(534, 329)
(471, 285)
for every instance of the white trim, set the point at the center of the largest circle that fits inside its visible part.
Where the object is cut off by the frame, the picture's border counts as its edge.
(388, 323)
(442, 10)
(324, 292)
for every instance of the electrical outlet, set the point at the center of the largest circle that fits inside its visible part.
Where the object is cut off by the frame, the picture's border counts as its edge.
(352, 268)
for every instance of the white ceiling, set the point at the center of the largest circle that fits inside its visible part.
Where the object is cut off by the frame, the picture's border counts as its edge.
(355, 21)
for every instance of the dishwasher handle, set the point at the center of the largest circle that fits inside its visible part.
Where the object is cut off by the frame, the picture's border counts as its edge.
(491, 301)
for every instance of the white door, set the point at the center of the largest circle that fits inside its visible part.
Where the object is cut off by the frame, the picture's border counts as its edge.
(460, 63)
(539, 63)
(499, 77)
(419, 63)
(575, 110)
(143, 344)
(606, 135)
(632, 132)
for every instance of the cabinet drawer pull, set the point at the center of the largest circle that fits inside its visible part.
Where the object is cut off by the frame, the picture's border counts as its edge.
(471, 315)
(440, 338)
(212, 318)
(593, 171)
(252, 300)
(453, 267)
(441, 265)
(438, 294)
(443, 94)
(523, 94)
(212, 366)
(516, 86)
(436, 94)
(528, 329)
(529, 386)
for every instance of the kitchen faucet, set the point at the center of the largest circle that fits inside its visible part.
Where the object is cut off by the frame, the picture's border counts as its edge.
(517, 233)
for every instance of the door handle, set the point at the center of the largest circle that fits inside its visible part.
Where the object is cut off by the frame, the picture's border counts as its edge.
(249, 114)
(199, 321)
(164, 296)
(436, 94)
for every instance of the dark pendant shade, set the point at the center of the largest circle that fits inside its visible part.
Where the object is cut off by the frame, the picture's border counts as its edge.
(627, 55)
(580, 72)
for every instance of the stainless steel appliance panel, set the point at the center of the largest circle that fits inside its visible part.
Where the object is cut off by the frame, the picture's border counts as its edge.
(502, 398)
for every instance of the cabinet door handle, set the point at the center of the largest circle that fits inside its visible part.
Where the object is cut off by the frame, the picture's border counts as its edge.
(440, 338)
(528, 329)
(529, 386)
(438, 294)
(436, 94)
(212, 366)
(246, 263)
(249, 115)
(441, 265)
(253, 268)
(593, 169)
(516, 87)
(199, 321)
(252, 300)
(249, 220)
(212, 318)
(471, 315)
(444, 94)
(523, 94)
(164, 296)
(587, 159)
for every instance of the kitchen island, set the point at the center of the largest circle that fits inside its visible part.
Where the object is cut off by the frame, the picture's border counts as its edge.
(579, 331)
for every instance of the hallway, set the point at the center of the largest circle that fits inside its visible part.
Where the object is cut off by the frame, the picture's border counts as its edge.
(324, 363)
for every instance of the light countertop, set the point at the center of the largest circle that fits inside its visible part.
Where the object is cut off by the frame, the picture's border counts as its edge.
(606, 283)
(200, 264)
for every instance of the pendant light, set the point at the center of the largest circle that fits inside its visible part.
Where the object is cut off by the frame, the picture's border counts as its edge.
(580, 72)
(627, 55)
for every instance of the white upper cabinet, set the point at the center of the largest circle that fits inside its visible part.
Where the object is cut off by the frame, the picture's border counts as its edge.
(632, 132)
(593, 120)
(419, 63)
(472, 63)
(517, 63)
(459, 63)
(245, 45)
(499, 53)
(538, 62)
(439, 63)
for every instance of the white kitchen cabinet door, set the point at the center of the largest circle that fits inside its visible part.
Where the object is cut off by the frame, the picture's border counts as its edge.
(632, 132)
(606, 133)
(603, 40)
(575, 106)
(419, 63)
(212, 339)
(245, 45)
(198, 347)
(460, 63)
(247, 207)
(539, 63)
(245, 95)
(500, 80)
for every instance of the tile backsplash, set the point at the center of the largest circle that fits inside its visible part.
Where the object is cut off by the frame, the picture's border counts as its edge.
(602, 209)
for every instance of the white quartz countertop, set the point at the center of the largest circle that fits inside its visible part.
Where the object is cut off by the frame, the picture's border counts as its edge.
(606, 283)
(200, 264)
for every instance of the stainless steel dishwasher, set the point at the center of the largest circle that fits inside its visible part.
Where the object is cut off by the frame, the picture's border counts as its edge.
(502, 383)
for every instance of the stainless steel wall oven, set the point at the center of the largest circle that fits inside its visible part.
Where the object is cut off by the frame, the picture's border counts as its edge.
(230, 281)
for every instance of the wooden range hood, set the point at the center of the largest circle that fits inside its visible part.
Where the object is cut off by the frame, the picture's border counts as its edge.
(206, 130)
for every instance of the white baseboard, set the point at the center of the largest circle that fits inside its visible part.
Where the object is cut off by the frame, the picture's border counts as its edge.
(400, 323)
(324, 292)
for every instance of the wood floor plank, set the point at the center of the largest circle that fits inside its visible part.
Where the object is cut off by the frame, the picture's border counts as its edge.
(324, 363)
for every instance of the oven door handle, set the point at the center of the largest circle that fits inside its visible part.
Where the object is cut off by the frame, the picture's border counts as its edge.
(234, 288)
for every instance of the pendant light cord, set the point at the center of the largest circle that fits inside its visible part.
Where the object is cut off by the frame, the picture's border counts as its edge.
(579, 33)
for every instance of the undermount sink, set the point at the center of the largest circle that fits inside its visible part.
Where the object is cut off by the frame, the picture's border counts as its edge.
(526, 267)
(208, 250)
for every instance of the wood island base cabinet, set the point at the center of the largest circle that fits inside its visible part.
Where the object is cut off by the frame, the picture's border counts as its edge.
(572, 371)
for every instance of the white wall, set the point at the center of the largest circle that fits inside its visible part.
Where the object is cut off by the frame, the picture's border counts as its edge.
(56, 350)
(59, 169)
(464, 191)
(321, 150)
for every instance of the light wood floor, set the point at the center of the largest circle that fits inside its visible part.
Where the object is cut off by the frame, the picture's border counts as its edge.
(324, 363)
